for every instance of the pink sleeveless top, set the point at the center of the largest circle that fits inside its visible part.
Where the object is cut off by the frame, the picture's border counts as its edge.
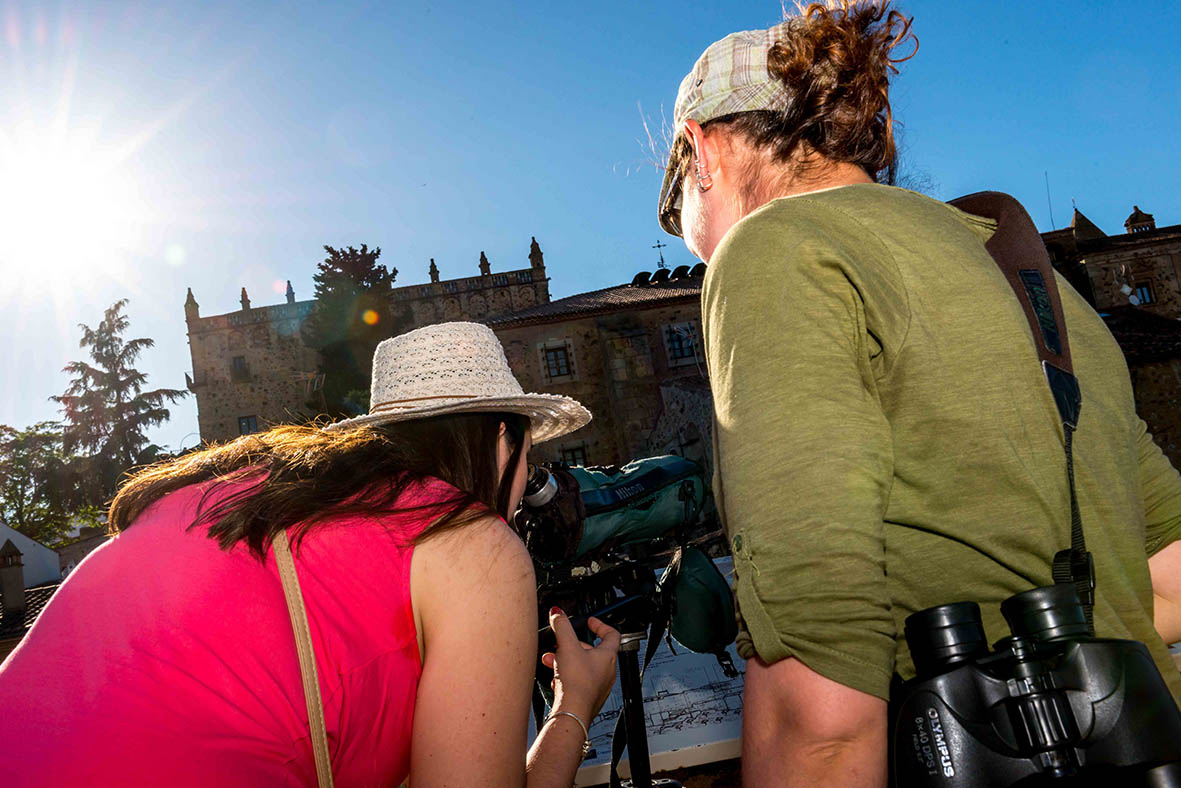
(163, 660)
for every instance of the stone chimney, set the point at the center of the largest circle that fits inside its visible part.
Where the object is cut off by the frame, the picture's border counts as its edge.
(290, 293)
(245, 300)
(485, 266)
(434, 271)
(12, 580)
(192, 308)
(535, 257)
(1139, 221)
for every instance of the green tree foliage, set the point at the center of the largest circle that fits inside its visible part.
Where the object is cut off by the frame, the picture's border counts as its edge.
(36, 483)
(107, 412)
(354, 311)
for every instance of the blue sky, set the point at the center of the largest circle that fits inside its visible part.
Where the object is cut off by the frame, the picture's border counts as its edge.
(220, 145)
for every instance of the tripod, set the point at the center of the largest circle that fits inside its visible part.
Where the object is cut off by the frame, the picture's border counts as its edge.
(634, 616)
(633, 715)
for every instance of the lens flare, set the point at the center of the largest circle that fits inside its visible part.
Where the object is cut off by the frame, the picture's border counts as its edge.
(370, 317)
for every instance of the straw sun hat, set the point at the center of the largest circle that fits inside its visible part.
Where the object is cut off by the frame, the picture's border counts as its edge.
(457, 368)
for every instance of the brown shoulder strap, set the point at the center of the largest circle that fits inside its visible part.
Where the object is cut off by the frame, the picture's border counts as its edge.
(1020, 253)
(307, 657)
(1018, 250)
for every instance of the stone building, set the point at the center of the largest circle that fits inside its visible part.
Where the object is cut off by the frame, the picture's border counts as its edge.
(1134, 281)
(252, 368)
(1139, 267)
(632, 354)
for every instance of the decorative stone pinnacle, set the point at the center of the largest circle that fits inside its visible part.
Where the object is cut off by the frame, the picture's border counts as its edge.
(192, 308)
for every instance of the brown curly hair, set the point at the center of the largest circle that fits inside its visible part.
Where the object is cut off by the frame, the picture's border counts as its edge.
(836, 67)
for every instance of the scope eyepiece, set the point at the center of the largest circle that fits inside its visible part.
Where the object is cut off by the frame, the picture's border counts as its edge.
(1046, 613)
(540, 488)
(943, 636)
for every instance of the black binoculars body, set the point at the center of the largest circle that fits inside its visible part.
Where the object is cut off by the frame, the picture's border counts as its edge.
(1050, 705)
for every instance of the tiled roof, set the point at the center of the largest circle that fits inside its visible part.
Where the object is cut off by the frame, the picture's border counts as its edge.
(1142, 335)
(35, 600)
(609, 299)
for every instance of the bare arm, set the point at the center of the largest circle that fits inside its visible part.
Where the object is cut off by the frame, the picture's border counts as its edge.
(476, 598)
(474, 594)
(1165, 567)
(582, 682)
(801, 729)
(1161, 488)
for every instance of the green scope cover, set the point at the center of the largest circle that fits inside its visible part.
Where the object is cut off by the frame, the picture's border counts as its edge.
(702, 617)
(642, 500)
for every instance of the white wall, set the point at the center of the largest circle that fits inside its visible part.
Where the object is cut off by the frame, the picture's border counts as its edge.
(40, 563)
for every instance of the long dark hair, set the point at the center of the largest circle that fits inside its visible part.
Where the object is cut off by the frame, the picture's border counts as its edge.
(302, 475)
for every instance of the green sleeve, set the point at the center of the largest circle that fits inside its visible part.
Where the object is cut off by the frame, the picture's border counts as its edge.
(803, 449)
(1161, 487)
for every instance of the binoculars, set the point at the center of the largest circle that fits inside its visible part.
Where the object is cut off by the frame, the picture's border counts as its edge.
(1048, 705)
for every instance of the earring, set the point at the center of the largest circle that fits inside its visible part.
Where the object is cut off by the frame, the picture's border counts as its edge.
(705, 181)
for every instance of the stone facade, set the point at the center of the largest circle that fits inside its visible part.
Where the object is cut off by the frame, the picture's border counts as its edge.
(1130, 279)
(632, 353)
(616, 351)
(685, 426)
(252, 369)
(1140, 267)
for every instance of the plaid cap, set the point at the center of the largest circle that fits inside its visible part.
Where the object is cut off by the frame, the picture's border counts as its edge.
(730, 76)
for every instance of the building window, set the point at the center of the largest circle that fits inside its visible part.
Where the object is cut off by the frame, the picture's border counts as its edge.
(557, 362)
(556, 358)
(575, 455)
(1144, 292)
(451, 287)
(681, 343)
(239, 371)
(500, 279)
(247, 424)
(524, 276)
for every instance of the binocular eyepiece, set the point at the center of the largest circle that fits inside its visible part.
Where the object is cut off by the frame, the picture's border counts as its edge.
(945, 636)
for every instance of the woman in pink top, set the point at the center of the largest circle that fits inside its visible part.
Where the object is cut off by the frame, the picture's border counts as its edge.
(168, 656)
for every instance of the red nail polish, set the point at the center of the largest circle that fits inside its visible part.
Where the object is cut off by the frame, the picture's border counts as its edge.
(555, 609)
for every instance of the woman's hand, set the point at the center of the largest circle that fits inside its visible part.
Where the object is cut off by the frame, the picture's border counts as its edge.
(583, 674)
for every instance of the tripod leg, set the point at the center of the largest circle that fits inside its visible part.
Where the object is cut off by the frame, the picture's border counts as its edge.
(633, 711)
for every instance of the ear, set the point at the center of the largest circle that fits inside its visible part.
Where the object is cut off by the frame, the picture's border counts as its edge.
(705, 148)
(503, 428)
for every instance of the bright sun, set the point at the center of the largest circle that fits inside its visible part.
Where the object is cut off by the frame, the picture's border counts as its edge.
(66, 210)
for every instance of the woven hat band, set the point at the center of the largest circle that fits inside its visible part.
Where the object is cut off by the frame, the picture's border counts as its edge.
(410, 403)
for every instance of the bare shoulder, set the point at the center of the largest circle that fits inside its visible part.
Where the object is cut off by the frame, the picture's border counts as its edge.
(486, 548)
(480, 571)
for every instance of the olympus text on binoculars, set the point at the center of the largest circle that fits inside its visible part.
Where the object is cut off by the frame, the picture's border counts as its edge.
(1048, 706)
